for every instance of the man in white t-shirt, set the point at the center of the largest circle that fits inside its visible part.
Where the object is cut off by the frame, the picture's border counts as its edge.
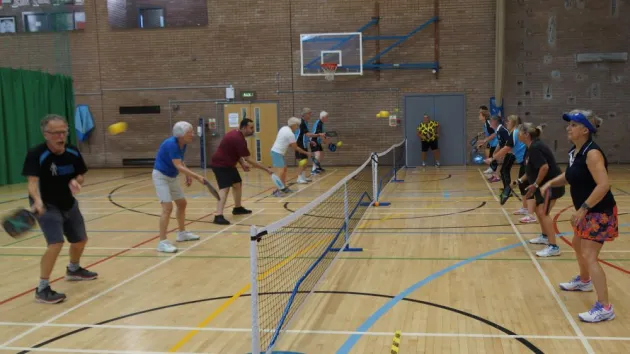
(284, 140)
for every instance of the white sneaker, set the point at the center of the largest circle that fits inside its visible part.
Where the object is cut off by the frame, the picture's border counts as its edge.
(302, 180)
(528, 220)
(597, 314)
(540, 240)
(521, 211)
(166, 246)
(576, 284)
(186, 236)
(549, 251)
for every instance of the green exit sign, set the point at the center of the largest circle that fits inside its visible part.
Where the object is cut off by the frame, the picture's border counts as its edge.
(248, 95)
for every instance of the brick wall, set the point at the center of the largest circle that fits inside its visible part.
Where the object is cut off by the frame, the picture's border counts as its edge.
(254, 45)
(544, 37)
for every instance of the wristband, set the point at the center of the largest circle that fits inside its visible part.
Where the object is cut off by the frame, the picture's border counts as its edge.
(585, 206)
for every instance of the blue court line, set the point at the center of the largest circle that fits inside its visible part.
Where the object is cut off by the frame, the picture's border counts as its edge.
(352, 339)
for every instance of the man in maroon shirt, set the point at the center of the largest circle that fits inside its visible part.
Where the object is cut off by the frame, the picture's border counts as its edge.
(232, 150)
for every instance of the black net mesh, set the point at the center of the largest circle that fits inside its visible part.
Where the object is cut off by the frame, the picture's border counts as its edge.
(292, 258)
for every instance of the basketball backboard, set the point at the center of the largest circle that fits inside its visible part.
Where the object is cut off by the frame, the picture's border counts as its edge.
(343, 49)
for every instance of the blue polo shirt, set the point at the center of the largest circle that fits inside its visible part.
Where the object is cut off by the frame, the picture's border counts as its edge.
(168, 151)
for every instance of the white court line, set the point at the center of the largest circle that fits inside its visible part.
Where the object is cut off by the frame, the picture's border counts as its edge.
(91, 248)
(307, 331)
(95, 351)
(183, 248)
(563, 307)
(119, 284)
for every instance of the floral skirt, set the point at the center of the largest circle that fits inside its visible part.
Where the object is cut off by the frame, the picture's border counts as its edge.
(599, 227)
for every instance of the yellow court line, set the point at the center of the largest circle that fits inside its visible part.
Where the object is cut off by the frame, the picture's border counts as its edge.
(238, 294)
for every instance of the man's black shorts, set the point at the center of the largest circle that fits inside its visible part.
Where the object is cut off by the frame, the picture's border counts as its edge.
(426, 145)
(299, 155)
(317, 147)
(226, 176)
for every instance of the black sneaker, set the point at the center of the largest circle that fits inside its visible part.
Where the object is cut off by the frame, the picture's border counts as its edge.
(240, 211)
(220, 220)
(80, 274)
(49, 296)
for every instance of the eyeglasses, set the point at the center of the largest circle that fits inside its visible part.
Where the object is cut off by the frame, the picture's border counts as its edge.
(58, 133)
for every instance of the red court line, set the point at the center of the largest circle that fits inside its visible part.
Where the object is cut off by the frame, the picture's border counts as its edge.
(555, 226)
(29, 291)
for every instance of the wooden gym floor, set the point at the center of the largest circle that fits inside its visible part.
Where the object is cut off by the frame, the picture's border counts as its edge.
(445, 264)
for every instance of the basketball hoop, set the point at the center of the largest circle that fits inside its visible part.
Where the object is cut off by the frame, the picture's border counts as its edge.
(329, 70)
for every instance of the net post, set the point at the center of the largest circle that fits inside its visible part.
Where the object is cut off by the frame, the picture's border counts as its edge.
(346, 213)
(376, 183)
(254, 288)
(396, 180)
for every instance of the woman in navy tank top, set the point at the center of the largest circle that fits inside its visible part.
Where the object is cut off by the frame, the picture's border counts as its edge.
(595, 219)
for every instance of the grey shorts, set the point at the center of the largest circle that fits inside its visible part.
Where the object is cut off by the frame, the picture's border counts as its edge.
(167, 188)
(55, 223)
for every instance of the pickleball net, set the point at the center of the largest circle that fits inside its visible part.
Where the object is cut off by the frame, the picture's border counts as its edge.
(291, 256)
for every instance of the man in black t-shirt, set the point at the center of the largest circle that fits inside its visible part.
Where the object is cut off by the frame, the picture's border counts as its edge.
(303, 140)
(55, 173)
(318, 141)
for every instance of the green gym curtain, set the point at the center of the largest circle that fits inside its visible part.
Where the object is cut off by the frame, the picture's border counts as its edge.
(25, 98)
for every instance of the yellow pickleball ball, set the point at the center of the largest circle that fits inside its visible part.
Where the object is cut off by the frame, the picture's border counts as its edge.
(117, 128)
(303, 162)
(338, 143)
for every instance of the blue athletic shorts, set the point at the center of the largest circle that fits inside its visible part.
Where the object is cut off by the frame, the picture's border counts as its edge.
(277, 159)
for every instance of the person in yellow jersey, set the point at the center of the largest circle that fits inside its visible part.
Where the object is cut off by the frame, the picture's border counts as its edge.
(429, 134)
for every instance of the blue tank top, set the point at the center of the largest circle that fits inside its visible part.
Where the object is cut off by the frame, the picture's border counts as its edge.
(519, 148)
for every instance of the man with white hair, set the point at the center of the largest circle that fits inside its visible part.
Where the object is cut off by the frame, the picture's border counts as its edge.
(169, 162)
(317, 140)
(302, 137)
(284, 140)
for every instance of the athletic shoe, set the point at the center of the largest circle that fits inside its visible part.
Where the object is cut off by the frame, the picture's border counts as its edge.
(528, 220)
(80, 274)
(576, 284)
(186, 236)
(241, 211)
(540, 240)
(598, 314)
(549, 251)
(220, 220)
(49, 296)
(166, 247)
(521, 211)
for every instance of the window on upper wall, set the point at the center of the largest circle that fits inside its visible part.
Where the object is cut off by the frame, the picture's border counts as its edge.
(157, 13)
(151, 18)
(41, 16)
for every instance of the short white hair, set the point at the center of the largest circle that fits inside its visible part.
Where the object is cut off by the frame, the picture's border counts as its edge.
(323, 114)
(294, 121)
(181, 128)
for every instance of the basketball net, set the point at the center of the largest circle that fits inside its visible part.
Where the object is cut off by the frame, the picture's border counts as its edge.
(329, 70)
